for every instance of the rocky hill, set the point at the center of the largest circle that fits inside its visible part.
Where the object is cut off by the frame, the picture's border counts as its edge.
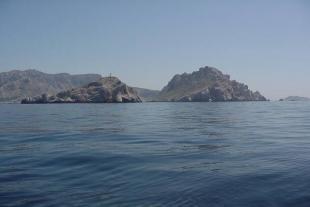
(16, 85)
(105, 90)
(207, 84)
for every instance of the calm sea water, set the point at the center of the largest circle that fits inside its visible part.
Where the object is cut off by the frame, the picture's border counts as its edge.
(155, 154)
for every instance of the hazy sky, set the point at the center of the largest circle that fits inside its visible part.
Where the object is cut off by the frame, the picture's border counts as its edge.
(265, 44)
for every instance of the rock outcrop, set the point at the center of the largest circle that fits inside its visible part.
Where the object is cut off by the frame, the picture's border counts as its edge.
(105, 90)
(16, 85)
(207, 84)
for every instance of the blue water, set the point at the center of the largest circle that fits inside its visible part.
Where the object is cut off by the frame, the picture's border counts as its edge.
(155, 154)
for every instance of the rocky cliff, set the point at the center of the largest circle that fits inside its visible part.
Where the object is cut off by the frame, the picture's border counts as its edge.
(105, 90)
(16, 85)
(207, 84)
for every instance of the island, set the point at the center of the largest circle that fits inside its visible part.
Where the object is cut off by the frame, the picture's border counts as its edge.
(105, 90)
(208, 84)
(295, 98)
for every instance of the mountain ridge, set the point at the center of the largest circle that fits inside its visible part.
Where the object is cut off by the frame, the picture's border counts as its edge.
(17, 84)
(147, 95)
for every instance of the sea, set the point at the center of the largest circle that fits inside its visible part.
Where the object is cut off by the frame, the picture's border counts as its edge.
(155, 154)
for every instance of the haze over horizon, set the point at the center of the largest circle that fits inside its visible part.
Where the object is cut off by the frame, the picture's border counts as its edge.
(264, 44)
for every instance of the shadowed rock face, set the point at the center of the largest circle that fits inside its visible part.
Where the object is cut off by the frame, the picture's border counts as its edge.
(105, 90)
(16, 85)
(207, 84)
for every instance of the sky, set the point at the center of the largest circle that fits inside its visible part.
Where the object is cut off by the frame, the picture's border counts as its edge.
(263, 43)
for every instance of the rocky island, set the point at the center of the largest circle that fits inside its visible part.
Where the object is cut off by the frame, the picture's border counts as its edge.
(105, 90)
(295, 98)
(207, 84)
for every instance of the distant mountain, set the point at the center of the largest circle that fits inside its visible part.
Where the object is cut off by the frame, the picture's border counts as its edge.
(295, 98)
(105, 90)
(16, 85)
(207, 84)
(147, 94)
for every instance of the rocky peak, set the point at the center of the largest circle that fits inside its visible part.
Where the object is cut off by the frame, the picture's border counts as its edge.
(208, 83)
(209, 70)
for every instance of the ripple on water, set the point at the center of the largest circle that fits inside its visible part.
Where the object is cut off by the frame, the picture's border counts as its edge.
(155, 154)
